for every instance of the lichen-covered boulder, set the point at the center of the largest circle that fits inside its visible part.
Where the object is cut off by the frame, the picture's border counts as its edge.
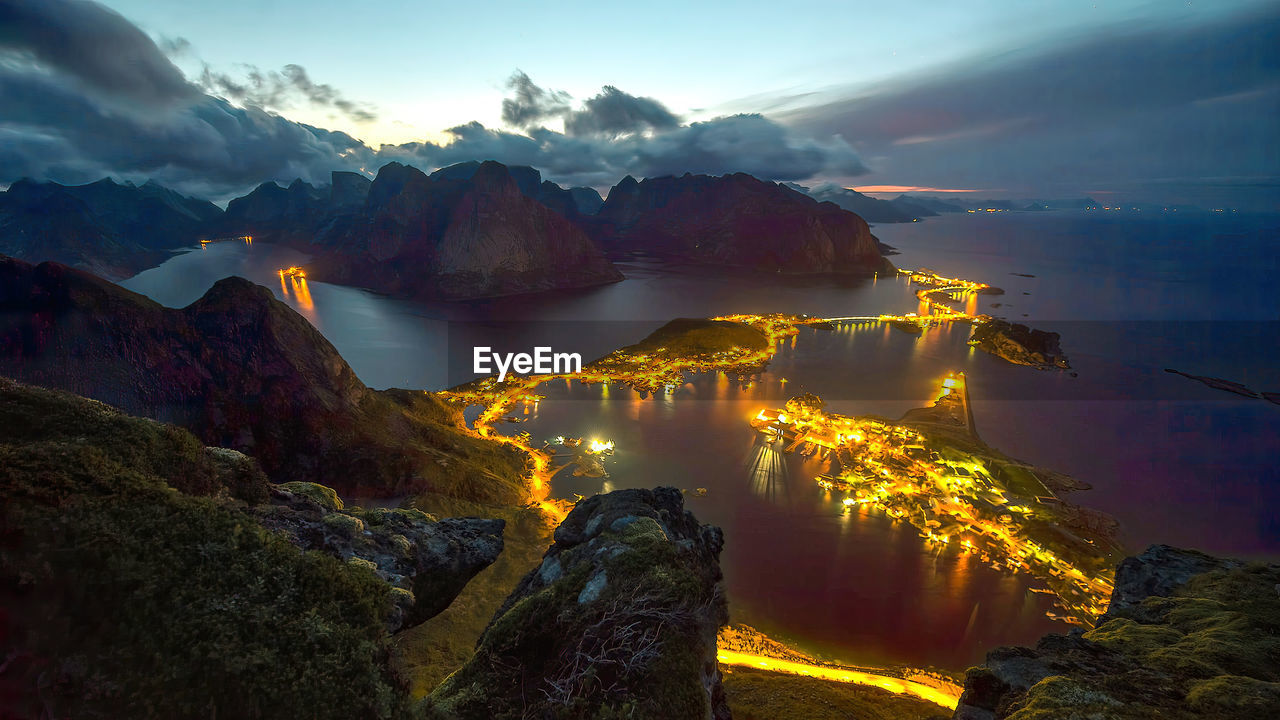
(1187, 636)
(427, 560)
(619, 620)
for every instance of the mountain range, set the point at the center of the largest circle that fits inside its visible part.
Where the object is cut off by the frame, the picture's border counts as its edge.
(469, 230)
(105, 227)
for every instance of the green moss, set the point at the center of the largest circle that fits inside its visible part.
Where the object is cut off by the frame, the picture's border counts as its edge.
(35, 416)
(1213, 647)
(1062, 698)
(380, 517)
(760, 695)
(1237, 697)
(1132, 638)
(344, 525)
(326, 496)
(149, 602)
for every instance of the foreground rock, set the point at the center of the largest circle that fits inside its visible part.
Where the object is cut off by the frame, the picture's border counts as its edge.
(426, 561)
(1187, 636)
(619, 620)
(242, 370)
(735, 220)
(1020, 344)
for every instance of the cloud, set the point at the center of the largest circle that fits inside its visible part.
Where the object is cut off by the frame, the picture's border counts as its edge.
(1120, 107)
(281, 90)
(94, 45)
(532, 105)
(51, 129)
(614, 112)
(739, 143)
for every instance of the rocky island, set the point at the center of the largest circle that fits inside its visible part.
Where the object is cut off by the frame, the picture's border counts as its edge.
(1019, 344)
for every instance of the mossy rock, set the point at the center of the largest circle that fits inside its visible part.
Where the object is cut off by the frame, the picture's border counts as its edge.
(1243, 698)
(135, 577)
(343, 524)
(1064, 698)
(326, 496)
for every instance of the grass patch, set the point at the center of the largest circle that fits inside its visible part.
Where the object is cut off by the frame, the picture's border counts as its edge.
(761, 695)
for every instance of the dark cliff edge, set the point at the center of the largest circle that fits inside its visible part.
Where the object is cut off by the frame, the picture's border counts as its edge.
(619, 620)
(242, 370)
(735, 221)
(1187, 635)
(143, 574)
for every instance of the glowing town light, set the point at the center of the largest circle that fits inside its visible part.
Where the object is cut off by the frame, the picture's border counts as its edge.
(600, 447)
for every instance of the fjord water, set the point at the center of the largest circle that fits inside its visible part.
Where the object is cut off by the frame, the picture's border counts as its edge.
(1175, 461)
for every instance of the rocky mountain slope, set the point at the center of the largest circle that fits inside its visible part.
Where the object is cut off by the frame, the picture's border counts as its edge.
(1186, 636)
(735, 221)
(470, 230)
(242, 370)
(145, 575)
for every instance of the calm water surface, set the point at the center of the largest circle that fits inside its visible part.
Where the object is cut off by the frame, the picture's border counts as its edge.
(1175, 461)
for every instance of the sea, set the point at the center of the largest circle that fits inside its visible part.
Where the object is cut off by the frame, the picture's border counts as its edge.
(1130, 293)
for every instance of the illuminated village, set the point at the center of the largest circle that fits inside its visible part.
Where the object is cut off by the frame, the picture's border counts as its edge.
(931, 470)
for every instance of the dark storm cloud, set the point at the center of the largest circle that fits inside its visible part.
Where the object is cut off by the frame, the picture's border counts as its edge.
(51, 129)
(281, 90)
(93, 45)
(1123, 106)
(532, 105)
(614, 112)
(739, 143)
(615, 133)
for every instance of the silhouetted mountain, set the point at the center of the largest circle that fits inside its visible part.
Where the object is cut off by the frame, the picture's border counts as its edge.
(587, 200)
(348, 189)
(1086, 203)
(916, 211)
(871, 209)
(566, 201)
(270, 207)
(735, 220)
(931, 204)
(241, 370)
(106, 227)
(468, 230)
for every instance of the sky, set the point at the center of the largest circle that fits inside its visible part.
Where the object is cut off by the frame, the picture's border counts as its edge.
(1161, 101)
